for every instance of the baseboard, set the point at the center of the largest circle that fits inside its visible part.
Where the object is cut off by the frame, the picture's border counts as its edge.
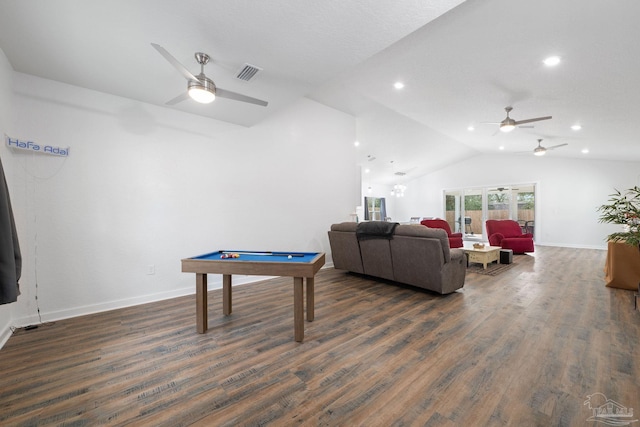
(5, 334)
(565, 245)
(52, 316)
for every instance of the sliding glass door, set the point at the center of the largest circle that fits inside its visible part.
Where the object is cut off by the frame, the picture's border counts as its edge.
(472, 220)
(499, 204)
(526, 203)
(453, 209)
(463, 210)
(466, 210)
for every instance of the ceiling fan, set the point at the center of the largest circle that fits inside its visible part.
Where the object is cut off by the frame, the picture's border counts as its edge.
(501, 189)
(508, 124)
(540, 150)
(200, 88)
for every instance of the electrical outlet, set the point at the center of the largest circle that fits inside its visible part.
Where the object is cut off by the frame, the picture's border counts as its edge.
(151, 269)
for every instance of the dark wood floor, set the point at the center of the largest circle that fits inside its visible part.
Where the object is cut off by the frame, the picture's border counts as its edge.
(522, 348)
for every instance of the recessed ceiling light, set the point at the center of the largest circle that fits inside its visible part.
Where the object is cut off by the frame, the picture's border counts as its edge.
(552, 61)
(576, 127)
(501, 147)
(398, 85)
(471, 128)
(367, 170)
(357, 143)
(585, 151)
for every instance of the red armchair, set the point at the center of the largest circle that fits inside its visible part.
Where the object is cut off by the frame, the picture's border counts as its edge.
(455, 239)
(508, 234)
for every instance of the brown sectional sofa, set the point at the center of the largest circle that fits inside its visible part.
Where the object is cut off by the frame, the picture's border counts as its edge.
(414, 255)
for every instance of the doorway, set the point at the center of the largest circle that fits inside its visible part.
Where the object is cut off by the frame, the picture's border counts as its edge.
(467, 209)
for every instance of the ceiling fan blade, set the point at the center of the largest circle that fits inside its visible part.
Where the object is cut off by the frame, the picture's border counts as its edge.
(173, 61)
(178, 98)
(222, 93)
(528, 127)
(537, 119)
(556, 146)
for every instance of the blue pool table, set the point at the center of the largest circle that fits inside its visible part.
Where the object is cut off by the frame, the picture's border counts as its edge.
(299, 265)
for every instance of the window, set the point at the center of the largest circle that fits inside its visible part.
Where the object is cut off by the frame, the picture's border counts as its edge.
(375, 209)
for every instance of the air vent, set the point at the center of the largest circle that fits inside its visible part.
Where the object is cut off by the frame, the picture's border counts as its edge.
(400, 173)
(248, 72)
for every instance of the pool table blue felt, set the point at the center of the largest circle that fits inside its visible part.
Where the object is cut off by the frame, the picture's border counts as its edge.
(253, 256)
(301, 268)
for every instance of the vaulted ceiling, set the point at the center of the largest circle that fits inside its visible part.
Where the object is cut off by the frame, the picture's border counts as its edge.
(461, 64)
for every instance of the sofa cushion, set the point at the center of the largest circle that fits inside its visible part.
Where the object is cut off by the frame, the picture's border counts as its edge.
(376, 258)
(418, 261)
(375, 230)
(507, 228)
(345, 226)
(417, 230)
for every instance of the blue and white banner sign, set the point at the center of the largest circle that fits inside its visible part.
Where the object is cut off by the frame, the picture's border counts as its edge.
(33, 146)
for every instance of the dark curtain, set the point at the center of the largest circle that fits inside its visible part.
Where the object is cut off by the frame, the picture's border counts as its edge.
(366, 209)
(10, 258)
(370, 202)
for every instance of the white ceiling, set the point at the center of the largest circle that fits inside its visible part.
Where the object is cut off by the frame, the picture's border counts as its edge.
(459, 70)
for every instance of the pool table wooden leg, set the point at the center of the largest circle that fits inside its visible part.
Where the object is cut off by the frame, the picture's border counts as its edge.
(201, 303)
(226, 294)
(310, 299)
(298, 309)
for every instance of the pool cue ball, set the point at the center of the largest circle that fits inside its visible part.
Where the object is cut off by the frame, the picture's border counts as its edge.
(289, 257)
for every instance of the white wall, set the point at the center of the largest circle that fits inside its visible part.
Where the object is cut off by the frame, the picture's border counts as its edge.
(145, 185)
(6, 119)
(568, 192)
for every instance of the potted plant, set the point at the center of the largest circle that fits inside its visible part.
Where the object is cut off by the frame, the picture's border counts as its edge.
(624, 209)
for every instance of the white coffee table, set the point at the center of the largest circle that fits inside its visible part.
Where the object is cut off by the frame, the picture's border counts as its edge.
(483, 256)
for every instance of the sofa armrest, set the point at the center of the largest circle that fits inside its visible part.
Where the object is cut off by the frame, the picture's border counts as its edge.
(455, 235)
(458, 254)
(526, 236)
(496, 239)
(454, 272)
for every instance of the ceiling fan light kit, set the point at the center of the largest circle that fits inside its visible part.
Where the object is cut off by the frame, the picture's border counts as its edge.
(202, 91)
(200, 88)
(508, 124)
(507, 127)
(552, 61)
(540, 150)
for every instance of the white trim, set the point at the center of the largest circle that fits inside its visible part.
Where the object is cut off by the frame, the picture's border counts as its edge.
(565, 245)
(122, 303)
(5, 334)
